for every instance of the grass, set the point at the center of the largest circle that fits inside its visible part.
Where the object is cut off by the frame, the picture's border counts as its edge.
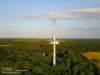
(94, 56)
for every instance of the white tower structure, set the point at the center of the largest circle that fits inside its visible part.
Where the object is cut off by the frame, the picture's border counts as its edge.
(54, 42)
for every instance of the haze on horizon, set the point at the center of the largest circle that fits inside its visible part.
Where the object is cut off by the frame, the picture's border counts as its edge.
(34, 18)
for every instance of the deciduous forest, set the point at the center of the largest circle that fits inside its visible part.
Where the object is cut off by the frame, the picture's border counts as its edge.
(35, 56)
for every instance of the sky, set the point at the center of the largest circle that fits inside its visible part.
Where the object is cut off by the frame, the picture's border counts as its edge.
(35, 18)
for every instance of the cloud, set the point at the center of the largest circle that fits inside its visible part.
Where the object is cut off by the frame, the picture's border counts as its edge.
(42, 16)
(74, 14)
(88, 13)
(89, 10)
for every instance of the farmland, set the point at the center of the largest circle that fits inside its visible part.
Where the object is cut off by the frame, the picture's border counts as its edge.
(93, 56)
(26, 55)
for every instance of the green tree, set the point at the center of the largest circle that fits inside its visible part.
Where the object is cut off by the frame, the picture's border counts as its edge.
(69, 72)
(26, 65)
(28, 73)
(91, 68)
(75, 69)
(74, 59)
(67, 63)
(37, 70)
(82, 73)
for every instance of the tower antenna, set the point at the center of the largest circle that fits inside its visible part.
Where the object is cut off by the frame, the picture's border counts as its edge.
(54, 42)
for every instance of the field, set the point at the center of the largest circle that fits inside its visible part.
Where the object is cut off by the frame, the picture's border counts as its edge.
(34, 57)
(94, 56)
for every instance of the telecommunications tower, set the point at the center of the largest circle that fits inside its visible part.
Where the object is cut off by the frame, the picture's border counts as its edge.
(54, 42)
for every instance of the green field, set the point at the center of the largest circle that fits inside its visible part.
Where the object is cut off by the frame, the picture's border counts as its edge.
(25, 57)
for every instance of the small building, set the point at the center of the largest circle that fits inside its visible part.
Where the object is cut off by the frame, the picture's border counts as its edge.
(58, 60)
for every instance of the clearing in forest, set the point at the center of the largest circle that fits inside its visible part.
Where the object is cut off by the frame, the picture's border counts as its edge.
(94, 56)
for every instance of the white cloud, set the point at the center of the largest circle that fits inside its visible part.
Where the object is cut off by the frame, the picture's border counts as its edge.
(88, 13)
(89, 10)
(75, 14)
(42, 16)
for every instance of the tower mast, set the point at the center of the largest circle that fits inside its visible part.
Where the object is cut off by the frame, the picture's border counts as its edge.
(54, 37)
(54, 42)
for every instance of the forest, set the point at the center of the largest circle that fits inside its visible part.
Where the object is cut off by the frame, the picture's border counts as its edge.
(35, 56)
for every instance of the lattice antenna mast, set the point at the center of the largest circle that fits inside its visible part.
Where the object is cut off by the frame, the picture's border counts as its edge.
(54, 42)
(54, 37)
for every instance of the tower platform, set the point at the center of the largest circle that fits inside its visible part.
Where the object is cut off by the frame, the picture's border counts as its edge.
(54, 42)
